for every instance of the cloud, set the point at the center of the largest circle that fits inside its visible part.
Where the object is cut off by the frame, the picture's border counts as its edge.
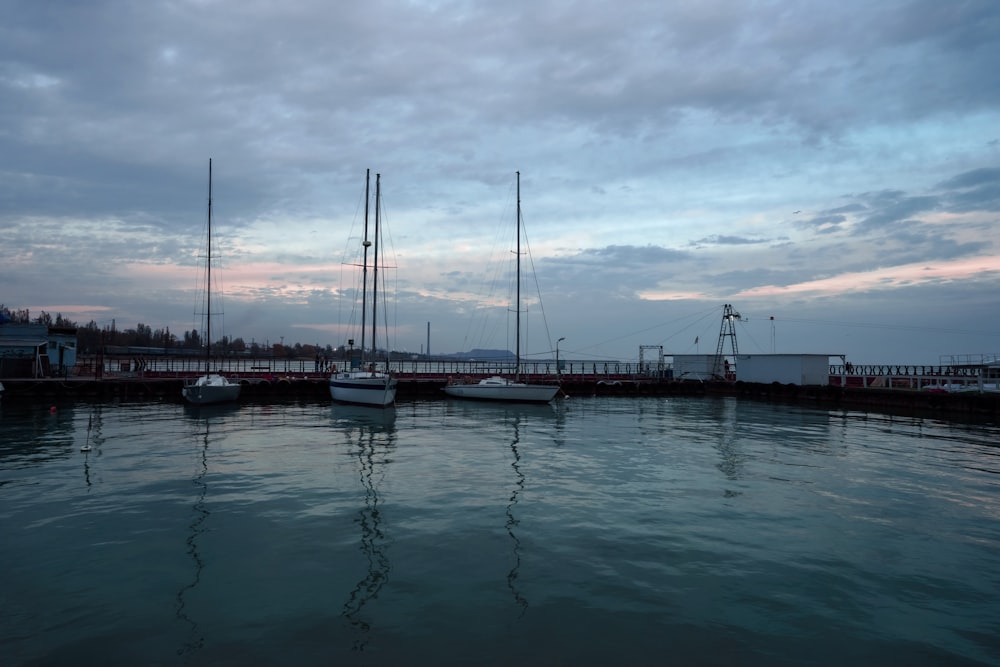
(976, 190)
(663, 149)
(724, 239)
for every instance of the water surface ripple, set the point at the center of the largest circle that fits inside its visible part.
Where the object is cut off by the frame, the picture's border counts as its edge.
(593, 531)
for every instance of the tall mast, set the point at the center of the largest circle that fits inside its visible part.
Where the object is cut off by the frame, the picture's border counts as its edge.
(364, 270)
(208, 278)
(375, 265)
(517, 304)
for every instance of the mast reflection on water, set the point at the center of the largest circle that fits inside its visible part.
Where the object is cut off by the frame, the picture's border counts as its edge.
(372, 431)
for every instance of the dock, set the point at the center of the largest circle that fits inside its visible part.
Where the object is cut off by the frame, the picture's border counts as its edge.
(313, 387)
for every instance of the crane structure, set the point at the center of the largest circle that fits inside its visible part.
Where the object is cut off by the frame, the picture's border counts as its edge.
(648, 368)
(721, 368)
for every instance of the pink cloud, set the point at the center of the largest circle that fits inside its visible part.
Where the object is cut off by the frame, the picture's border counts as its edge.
(907, 275)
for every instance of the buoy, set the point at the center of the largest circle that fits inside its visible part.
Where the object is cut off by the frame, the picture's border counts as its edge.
(52, 409)
(86, 443)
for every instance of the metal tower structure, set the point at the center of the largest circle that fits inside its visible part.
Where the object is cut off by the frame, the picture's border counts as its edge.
(656, 370)
(727, 330)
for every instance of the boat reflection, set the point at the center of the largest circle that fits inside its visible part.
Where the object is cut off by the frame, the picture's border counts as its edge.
(371, 431)
(92, 443)
(500, 410)
(512, 521)
(516, 420)
(353, 417)
(211, 411)
(205, 415)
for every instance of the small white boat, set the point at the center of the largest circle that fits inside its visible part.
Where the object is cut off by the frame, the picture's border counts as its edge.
(210, 387)
(498, 388)
(363, 387)
(374, 386)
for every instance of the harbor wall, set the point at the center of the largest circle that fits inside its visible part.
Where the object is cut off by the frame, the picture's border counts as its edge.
(956, 406)
(966, 405)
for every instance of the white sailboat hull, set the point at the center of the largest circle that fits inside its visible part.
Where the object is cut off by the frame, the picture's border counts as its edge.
(502, 389)
(363, 388)
(211, 388)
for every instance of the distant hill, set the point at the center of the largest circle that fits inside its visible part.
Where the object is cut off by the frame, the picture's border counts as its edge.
(483, 355)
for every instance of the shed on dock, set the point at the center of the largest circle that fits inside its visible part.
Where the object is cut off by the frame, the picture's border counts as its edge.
(800, 369)
(695, 367)
(36, 350)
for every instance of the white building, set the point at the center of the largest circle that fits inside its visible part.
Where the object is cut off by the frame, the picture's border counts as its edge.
(800, 369)
(695, 367)
(36, 350)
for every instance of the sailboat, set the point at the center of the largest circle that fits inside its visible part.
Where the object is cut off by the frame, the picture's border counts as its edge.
(210, 387)
(364, 383)
(499, 388)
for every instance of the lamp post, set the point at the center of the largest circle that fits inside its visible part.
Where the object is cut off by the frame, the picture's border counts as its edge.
(557, 356)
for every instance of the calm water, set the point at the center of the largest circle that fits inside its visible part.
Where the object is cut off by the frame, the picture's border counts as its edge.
(598, 531)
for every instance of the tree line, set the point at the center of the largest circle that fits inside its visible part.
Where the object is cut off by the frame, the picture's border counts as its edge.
(90, 338)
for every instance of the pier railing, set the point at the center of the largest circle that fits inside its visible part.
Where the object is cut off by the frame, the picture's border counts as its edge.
(921, 377)
(884, 376)
(184, 366)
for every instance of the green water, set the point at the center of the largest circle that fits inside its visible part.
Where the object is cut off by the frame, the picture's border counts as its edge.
(598, 530)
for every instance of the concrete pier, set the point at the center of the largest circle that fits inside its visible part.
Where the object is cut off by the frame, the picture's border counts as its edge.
(313, 387)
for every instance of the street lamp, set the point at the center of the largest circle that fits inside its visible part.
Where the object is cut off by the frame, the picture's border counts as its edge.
(557, 354)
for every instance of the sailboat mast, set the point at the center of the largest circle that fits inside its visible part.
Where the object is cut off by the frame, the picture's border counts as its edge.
(517, 303)
(375, 264)
(208, 279)
(364, 269)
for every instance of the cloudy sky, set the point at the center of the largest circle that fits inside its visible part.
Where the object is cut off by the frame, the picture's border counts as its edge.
(834, 166)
